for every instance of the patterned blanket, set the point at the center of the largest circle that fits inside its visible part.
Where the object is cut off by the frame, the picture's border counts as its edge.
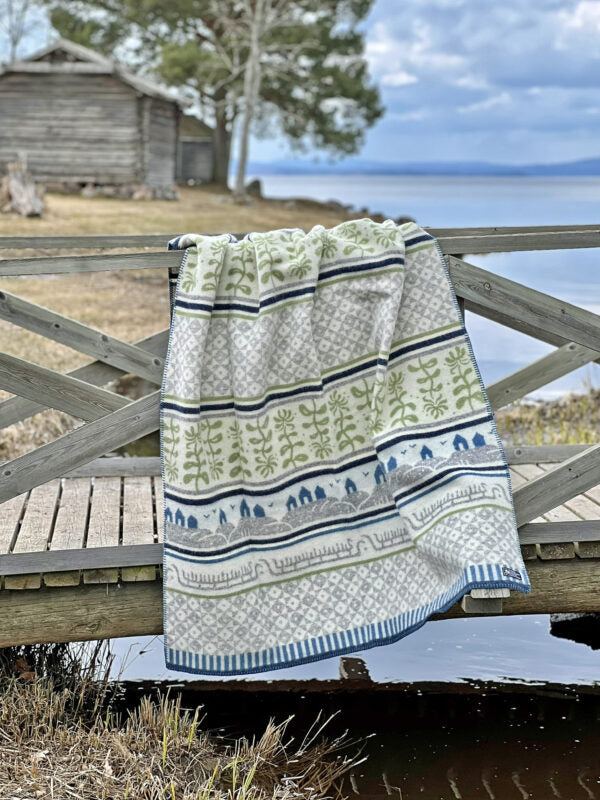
(332, 471)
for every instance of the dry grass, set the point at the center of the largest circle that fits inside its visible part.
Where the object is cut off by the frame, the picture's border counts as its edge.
(573, 419)
(60, 737)
(131, 304)
(40, 429)
(202, 209)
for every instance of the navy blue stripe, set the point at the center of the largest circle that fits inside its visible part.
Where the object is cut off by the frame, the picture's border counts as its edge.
(334, 524)
(250, 309)
(353, 370)
(313, 387)
(437, 432)
(449, 471)
(232, 405)
(443, 337)
(386, 262)
(305, 291)
(238, 406)
(422, 238)
(193, 306)
(317, 472)
(286, 296)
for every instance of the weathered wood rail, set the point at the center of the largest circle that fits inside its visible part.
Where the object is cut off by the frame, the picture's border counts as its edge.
(80, 534)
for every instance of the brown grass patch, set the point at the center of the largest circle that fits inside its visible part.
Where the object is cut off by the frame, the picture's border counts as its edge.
(61, 737)
(202, 209)
(573, 419)
(130, 304)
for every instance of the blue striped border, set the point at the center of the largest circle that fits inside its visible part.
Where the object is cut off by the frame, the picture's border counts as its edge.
(376, 634)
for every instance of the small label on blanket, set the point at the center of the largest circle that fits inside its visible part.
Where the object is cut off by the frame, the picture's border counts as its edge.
(508, 572)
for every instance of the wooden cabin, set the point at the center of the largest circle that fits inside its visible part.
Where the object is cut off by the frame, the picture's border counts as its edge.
(195, 151)
(80, 118)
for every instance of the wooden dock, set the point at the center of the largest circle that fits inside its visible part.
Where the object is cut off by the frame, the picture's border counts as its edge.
(80, 534)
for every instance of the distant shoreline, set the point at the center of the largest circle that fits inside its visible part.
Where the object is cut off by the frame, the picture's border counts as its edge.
(289, 172)
(583, 168)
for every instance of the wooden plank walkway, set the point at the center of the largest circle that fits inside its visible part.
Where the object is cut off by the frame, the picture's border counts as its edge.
(81, 534)
(108, 528)
(81, 556)
(91, 529)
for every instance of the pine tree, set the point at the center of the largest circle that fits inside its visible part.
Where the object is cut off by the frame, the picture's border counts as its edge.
(296, 66)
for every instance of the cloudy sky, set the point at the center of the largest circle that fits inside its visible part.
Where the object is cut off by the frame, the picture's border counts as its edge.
(515, 81)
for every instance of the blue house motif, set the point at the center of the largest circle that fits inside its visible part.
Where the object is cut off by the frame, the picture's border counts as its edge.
(478, 440)
(222, 517)
(379, 475)
(426, 452)
(350, 486)
(291, 503)
(168, 515)
(258, 511)
(179, 518)
(192, 522)
(244, 509)
(305, 496)
(319, 493)
(460, 443)
(392, 464)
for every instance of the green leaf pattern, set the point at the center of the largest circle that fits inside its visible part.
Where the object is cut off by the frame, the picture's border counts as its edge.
(430, 386)
(240, 271)
(339, 419)
(467, 389)
(318, 423)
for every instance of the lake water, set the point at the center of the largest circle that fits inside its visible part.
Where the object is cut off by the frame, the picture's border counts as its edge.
(428, 741)
(497, 649)
(444, 202)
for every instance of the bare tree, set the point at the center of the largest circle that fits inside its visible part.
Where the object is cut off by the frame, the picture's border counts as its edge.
(14, 18)
(252, 79)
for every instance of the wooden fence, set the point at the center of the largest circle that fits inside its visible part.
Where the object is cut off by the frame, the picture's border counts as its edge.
(112, 421)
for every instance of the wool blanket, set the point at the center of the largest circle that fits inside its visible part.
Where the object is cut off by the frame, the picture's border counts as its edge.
(332, 471)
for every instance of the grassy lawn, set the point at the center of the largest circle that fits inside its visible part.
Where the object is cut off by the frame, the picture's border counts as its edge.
(201, 209)
(130, 304)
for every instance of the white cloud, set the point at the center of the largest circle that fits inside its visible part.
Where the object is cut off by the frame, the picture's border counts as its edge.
(409, 116)
(413, 53)
(400, 78)
(502, 99)
(471, 82)
(579, 27)
(585, 16)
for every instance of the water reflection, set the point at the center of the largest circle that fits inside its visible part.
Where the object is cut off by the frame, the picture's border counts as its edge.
(437, 741)
(495, 649)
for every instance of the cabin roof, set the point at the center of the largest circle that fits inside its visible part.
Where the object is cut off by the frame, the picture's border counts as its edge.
(193, 127)
(64, 56)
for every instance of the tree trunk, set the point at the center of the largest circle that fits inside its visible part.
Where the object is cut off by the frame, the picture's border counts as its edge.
(23, 195)
(221, 147)
(252, 79)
